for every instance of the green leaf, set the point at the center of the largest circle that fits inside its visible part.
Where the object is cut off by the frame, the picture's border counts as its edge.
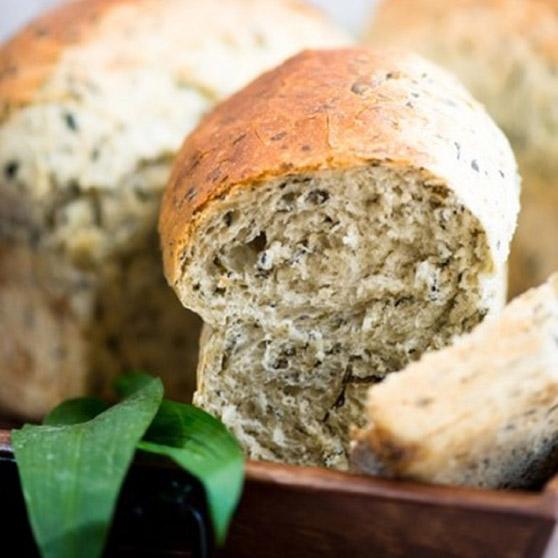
(202, 445)
(74, 411)
(71, 475)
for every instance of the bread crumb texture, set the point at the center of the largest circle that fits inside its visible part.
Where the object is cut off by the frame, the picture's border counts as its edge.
(331, 222)
(95, 100)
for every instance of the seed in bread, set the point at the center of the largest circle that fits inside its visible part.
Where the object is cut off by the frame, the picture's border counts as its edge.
(331, 222)
(482, 412)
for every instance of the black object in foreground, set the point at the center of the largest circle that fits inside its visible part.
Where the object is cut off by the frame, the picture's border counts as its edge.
(72, 468)
(161, 512)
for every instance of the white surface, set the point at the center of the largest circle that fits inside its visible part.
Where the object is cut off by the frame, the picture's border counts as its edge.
(15, 13)
(352, 14)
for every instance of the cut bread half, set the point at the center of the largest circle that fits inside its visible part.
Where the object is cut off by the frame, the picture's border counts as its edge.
(328, 230)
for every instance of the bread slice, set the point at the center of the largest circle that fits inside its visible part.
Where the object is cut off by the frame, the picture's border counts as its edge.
(332, 221)
(483, 412)
(95, 99)
(504, 51)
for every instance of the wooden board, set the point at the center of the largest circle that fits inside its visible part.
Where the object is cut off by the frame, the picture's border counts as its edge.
(289, 511)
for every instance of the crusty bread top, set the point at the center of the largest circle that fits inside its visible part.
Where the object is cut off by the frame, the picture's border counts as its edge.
(337, 109)
(31, 57)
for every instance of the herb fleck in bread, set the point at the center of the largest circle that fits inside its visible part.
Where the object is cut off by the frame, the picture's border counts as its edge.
(482, 412)
(95, 99)
(332, 221)
(504, 51)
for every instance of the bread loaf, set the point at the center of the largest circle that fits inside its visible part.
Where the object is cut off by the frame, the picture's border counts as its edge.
(482, 412)
(332, 221)
(504, 51)
(95, 99)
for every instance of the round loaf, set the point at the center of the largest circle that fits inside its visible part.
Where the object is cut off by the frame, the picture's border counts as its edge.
(505, 52)
(95, 99)
(330, 222)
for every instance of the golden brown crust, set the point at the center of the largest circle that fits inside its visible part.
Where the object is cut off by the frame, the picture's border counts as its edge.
(28, 59)
(320, 109)
(332, 109)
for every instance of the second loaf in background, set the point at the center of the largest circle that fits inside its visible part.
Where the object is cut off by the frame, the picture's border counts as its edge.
(335, 219)
(95, 99)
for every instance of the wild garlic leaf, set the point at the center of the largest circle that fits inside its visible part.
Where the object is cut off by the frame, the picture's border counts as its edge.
(71, 474)
(200, 444)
